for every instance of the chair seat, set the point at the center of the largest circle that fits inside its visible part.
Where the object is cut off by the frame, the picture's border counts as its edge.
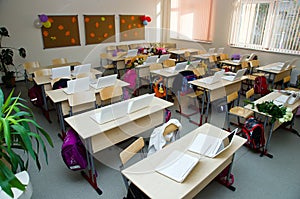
(109, 66)
(241, 112)
(195, 94)
(292, 89)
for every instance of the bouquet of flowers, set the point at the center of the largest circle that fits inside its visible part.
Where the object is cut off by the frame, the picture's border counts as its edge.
(282, 113)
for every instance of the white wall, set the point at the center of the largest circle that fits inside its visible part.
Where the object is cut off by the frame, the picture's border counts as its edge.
(18, 16)
(222, 16)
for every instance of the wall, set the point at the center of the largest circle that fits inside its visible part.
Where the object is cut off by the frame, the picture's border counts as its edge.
(222, 20)
(18, 16)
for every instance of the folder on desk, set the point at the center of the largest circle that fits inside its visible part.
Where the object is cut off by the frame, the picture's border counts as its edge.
(177, 166)
(211, 146)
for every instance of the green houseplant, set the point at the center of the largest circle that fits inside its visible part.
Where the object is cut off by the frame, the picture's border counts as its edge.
(6, 59)
(21, 138)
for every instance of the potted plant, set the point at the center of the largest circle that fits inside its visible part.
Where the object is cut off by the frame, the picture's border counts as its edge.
(6, 59)
(21, 139)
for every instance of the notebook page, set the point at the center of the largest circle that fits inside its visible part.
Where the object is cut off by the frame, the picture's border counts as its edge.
(178, 168)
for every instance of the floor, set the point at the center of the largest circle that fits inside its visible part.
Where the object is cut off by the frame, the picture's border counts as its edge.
(255, 176)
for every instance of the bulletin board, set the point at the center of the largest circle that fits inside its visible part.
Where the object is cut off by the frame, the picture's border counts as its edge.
(99, 29)
(63, 32)
(131, 28)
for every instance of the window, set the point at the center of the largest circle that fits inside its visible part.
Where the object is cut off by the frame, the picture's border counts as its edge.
(271, 25)
(190, 19)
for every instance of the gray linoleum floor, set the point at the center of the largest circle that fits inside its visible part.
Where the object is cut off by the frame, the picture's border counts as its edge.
(255, 176)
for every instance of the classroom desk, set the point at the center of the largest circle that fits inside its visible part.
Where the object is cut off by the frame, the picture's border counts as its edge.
(58, 96)
(157, 186)
(32, 70)
(166, 75)
(276, 124)
(100, 136)
(274, 75)
(44, 80)
(216, 91)
(180, 52)
(232, 64)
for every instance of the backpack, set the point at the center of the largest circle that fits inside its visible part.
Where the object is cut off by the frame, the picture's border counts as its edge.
(159, 87)
(130, 77)
(253, 131)
(261, 85)
(61, 83)
(181, 84)
(73, 151)
(35, 95)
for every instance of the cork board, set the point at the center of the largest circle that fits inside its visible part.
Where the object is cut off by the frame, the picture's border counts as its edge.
(63, 32)
(131, 28)
(99, 29)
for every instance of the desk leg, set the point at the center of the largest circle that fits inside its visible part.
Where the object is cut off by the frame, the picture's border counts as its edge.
(265, 149)
(202, 111)
(226, 178)
(61, 121)
(91, 177)
(45, 108)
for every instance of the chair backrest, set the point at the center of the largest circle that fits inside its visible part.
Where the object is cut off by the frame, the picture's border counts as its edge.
(155, 66)
(244, 64)
(123, 48)
(110, 92)
(42, 72)
(212, 58)
(250, 93)
(59, 61)
(82, 101)
(169, 63)
(132, 150)
(286, 79)
(233, 96)
(224, 56)
(187, 55)
(170, 129)
(31, 65)
(254, 63)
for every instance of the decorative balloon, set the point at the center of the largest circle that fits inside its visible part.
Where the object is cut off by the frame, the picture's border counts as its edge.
(145, 19)
(37, 23)
(43, 18)
(47, 24)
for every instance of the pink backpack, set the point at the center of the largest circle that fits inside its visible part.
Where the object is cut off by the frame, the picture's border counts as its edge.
(130, 77)
(73, 151)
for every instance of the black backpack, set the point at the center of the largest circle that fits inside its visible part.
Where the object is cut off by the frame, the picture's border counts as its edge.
(35, 95)
(253, 131)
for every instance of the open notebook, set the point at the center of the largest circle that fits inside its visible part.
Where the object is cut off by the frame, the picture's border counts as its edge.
(178, 67)
(77, 85)
(211, 146)
(140, 102)
(111, 112)
(177, 166)
(235, 76)
(212, 79)
(105, 81)
(64, 71)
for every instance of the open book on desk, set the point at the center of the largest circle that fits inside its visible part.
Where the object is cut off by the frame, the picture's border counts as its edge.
(211, 146)
(177, 166)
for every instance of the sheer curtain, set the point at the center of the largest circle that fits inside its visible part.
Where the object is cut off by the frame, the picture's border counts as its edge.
(271, 25)
(191, 19)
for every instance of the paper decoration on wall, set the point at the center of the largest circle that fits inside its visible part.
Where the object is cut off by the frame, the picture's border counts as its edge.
(145, 19)
(60, 31)
(131, 28)
(99, 29)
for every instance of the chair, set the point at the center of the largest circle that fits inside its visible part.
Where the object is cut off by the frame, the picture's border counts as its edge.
(58, 61)
(224, 56)
(28, 66)
(235, 109)
(213, 67)
(187, 56)
(81, 101)
(128, 153)
(104, 65)
(168, 63)
(44, 72)
(123, 48)
(109, 95)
